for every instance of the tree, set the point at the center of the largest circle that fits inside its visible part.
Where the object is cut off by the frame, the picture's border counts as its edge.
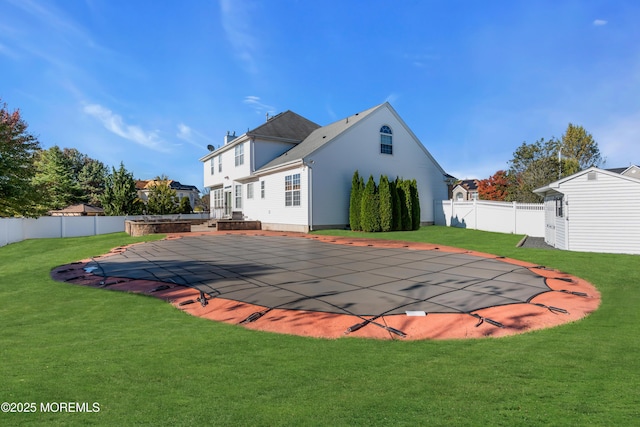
(370, 207)
(55, 176)
(185, 206)
(395, 204)
(533, 166)
(386, 204)
(18, 147)
(90, 174)
(120, 196)
(355, 200)
(496, 187)
(163, 200)
(92, 179)
(404, 221)
(415, 204)
(580, 149)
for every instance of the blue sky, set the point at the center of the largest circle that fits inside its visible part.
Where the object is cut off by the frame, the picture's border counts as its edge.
(152, 83)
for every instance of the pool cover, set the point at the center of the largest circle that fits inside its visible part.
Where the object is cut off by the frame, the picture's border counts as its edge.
(367, 282)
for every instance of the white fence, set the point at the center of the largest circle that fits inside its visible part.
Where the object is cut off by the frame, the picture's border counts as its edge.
(501, 217)
(17, 229)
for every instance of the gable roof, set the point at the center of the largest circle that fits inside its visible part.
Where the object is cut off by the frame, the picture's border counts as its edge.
(318, 138)
(287, 125)
(468, 184)
(326, 134)
(554, 186)
(80, 208)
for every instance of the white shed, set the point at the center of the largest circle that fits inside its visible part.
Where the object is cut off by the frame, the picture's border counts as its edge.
(595, 210)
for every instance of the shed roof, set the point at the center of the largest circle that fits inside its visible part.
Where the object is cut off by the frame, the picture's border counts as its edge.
(554, 186)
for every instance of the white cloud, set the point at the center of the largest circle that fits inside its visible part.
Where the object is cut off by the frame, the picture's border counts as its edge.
(184, 132)
(239, 30)
(599, 22)
(258, 105)
(191, 136)
(114, 123)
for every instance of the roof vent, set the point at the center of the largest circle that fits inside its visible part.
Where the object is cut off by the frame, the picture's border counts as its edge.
(592, 176)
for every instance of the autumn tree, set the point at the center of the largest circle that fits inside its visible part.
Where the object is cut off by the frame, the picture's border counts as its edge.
(120, 196)
(496, 187)
(579, 150)
(18, 148)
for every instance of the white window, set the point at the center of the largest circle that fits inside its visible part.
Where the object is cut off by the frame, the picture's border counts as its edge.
(386, 140)
(218, 198)
(250, 190)
(239, 154)
(292, 190)
(212, 167)
(262, 189)
(219, 163)
(238, 196)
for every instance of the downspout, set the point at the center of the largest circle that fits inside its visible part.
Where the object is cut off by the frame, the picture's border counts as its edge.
(310, 193)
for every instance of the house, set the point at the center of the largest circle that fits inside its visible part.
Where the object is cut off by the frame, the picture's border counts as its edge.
(81, 209)
(292, 174)
(190, 191)
(594, 210)
(465, 190)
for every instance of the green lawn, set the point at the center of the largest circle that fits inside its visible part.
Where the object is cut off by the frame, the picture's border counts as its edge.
(145, 362)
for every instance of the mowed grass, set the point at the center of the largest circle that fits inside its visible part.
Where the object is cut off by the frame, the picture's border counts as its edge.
(147, 363)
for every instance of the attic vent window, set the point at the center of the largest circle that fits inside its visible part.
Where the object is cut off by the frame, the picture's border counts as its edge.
(592, 176)
(386, 140)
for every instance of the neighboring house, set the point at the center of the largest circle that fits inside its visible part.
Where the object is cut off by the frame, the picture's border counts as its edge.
(190, 191)
(465, 190)
(595, 210)
(292, 174)
(81, 209)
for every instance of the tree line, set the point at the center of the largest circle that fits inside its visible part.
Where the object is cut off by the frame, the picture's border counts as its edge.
(388, 206)
(34, 181)
(540, 163)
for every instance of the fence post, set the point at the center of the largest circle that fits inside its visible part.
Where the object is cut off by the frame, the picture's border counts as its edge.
(515, 217)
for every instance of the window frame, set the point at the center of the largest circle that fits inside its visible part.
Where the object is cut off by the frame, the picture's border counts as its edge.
(239, 154)
(262, 189)
(250, 190)
(238, 196)
(386, 140)
(292, 187)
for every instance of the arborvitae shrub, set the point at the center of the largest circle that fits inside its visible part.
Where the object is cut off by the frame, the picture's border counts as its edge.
(386, 204)
(415, 205)
(395, 205)
(355, 202)
(370, 207)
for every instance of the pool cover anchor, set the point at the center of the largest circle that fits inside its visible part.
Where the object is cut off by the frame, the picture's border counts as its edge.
(551, 308)
(482, 319)
(576, 293)
(254, 316)
(361, 325)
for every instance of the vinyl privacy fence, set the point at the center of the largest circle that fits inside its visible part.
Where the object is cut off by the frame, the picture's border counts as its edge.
(501, 217)
(17, 229)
